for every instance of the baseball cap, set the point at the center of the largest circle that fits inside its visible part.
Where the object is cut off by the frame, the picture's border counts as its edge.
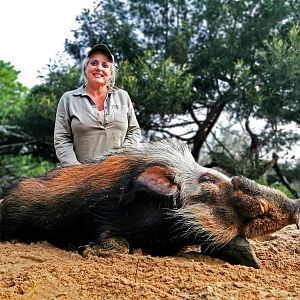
(101, 48)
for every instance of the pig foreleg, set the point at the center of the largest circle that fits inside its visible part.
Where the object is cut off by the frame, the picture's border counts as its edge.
(237, 252)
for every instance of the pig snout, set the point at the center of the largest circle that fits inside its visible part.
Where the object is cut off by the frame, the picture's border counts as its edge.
(261, 209)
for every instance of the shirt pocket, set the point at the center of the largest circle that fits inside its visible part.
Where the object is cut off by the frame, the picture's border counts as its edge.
(119, 114)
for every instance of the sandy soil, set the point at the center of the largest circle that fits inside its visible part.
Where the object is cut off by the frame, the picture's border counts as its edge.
(41, 271)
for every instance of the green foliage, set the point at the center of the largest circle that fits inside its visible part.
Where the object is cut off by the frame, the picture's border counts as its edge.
(38, 117)
(170, 87)
(281, 89)
(26, 146)
(28, 165)
(11, 93)
(292, 172)
(14, 168)
(110, 23)
(276, 185)
(241, 163)
(273, 91)
(283, 189)
(12, 102)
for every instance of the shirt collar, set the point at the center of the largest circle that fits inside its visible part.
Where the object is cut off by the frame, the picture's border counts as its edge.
(81, 91)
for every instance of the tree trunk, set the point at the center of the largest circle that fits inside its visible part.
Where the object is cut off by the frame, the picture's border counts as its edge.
(206, 126)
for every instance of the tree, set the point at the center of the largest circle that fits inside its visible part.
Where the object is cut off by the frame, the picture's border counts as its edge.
(11, 92)
(272, 95)
(170, 90)
(218, 42)
(186, 66)
(27, 122)
(38, 117)
(108, 23)
(12, 101)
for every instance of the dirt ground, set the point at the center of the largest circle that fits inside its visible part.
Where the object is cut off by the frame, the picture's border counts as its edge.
(41, 271)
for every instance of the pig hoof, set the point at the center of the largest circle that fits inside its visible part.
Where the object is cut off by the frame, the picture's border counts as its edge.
(237, 252)
(82, 248)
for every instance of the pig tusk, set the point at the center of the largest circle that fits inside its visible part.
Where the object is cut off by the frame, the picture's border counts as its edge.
(263, 207)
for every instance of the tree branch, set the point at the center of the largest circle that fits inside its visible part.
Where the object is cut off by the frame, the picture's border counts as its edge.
(282, 179)
(222, 145)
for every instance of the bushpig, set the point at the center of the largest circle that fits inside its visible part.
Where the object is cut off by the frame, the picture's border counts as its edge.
(155, 196)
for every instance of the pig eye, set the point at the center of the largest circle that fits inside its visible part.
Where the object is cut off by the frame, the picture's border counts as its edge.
(207, 178)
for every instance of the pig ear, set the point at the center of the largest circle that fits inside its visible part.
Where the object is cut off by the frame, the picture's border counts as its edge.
(158, 179)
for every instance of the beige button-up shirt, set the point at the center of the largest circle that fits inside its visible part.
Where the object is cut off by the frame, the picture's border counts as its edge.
(79, 134)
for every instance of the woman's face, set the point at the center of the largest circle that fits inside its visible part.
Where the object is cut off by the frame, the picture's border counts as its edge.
(98, 69)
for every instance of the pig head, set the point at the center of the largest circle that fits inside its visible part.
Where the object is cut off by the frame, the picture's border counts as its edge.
(213, 207)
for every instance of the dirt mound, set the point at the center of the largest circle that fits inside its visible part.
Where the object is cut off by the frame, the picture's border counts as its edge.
(41, 271)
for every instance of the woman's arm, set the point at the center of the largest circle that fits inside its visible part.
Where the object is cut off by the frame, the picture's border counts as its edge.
(133, 134)
(63, 140)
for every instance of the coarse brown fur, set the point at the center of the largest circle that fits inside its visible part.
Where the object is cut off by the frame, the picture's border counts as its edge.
(156, 196)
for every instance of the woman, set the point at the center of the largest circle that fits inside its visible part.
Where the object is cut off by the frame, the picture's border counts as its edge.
(96, 117)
